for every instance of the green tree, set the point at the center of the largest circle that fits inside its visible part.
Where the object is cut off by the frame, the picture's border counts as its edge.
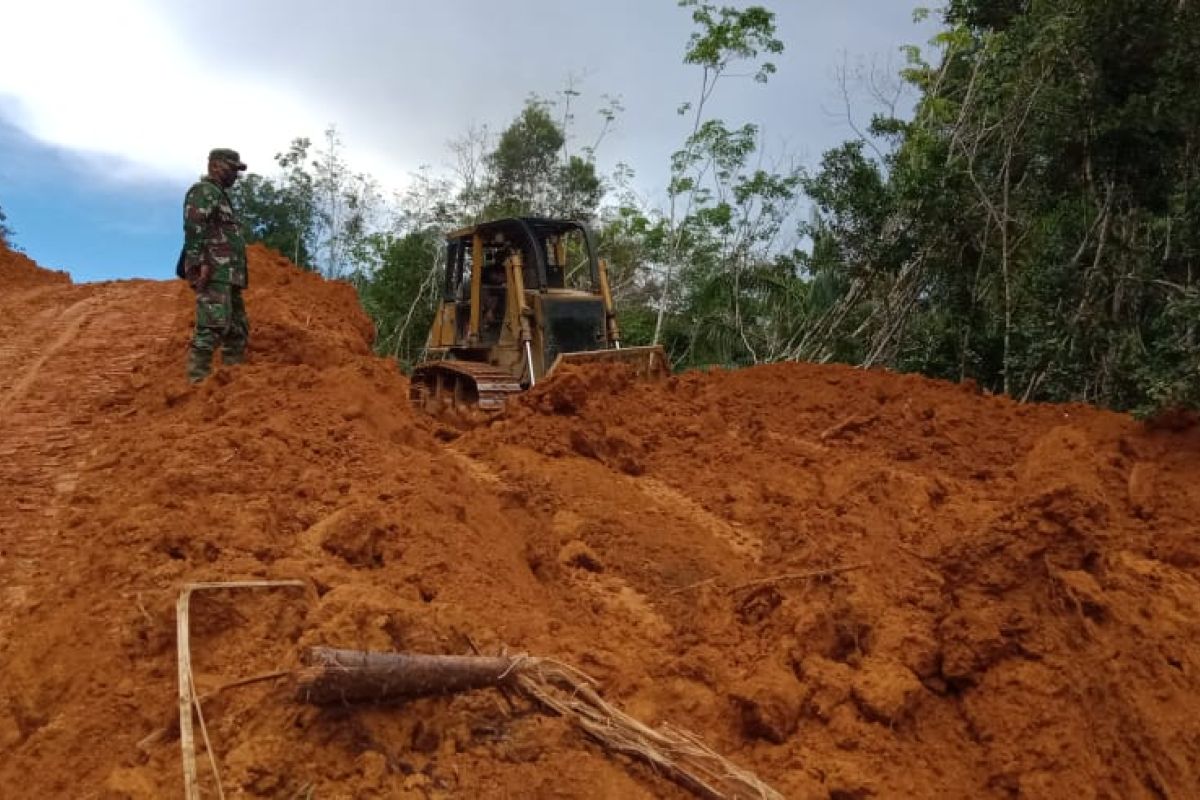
(524, 164)
(347, 210)
(402, 294)
(1035, 225)
(720, 281)
(630, 240)
(279, 212)
(529, 175)
(5, 231)
(725, 36)
(316, 210)
(732, 282)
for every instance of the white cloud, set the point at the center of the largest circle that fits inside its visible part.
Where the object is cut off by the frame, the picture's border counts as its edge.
(160, 82)
(113, 79)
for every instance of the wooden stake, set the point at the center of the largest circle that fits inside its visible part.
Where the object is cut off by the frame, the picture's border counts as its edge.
(187, 684)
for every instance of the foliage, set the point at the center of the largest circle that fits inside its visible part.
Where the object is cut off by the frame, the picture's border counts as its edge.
(315, 210)
(728, 35)
(1169, 372)
(402, 294)
(279, 212)
(6, 232)
(1035, 225)
(344, 212)
(717, 286)
(530, 174)
(524, 163)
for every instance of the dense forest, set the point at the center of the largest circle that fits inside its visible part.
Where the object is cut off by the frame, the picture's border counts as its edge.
(1029, 221)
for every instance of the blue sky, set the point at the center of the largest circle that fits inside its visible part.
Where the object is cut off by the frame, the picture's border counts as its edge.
(65, 217)
(94, 161)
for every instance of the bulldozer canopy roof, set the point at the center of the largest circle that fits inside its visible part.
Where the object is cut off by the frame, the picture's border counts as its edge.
(529, 224)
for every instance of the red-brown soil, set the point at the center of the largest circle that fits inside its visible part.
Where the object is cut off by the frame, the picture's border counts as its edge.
(1021, 619)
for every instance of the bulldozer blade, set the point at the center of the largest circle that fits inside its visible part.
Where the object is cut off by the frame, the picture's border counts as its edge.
(648, 362)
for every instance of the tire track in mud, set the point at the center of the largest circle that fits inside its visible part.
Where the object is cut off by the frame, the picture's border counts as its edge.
(52, 409)
(74, 316)
(742, 541)
(585, 507)
(604, 588)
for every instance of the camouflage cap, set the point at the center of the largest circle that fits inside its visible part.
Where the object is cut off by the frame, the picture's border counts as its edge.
(226, 155)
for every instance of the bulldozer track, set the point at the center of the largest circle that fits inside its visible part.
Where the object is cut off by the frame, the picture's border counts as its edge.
(21, 357)
(609, 590)
(438, 385)
(740, 540)
(44, 441)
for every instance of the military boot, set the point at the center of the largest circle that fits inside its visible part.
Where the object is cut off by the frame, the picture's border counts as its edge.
(231, 358)
(199, 364)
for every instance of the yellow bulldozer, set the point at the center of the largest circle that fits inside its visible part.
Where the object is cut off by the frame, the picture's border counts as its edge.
(522, 297)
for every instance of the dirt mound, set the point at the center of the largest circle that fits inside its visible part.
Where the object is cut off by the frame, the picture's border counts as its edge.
(855, 584)
(18, 271)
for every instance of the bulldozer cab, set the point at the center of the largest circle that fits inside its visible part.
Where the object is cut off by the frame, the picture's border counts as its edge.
(551, 255)
(463, 260)
(555, 254)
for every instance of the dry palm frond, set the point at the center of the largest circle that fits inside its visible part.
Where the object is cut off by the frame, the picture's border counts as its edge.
(675, 752)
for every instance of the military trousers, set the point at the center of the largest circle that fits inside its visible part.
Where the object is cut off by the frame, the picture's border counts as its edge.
(220, 322)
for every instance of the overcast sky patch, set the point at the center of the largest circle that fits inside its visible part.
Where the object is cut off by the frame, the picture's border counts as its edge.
(162, 82)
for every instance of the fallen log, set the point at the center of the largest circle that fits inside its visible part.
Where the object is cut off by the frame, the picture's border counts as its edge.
(332, 677)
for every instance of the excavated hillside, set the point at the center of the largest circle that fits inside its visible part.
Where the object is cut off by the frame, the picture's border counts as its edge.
(854, 584)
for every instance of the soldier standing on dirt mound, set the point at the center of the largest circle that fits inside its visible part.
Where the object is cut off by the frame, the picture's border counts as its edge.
(214, 263)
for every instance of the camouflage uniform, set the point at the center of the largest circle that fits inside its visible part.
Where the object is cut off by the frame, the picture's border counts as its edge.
(213, 237)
